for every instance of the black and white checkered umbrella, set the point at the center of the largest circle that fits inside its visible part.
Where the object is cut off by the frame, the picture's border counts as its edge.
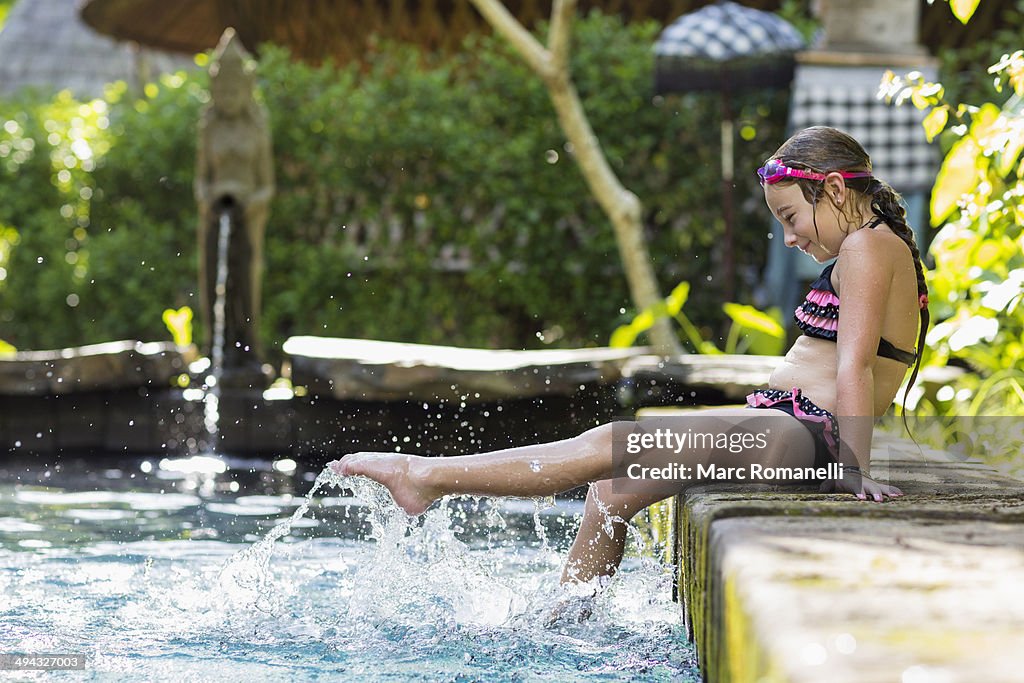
(725, 46)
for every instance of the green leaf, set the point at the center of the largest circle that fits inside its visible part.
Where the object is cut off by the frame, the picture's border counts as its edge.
(963, 9)
(958, 176)
(935, 122)
(1008, 156)
(179, 322)
(675, 301)
(644, 319)
(6, 349)
(751, 318)
(709, 349)
(623, 337)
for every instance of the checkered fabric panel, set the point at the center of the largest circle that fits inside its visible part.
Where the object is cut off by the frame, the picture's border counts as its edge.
(727, 30)
(893, 136)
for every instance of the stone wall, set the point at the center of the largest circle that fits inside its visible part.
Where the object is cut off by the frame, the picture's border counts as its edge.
(793, 585)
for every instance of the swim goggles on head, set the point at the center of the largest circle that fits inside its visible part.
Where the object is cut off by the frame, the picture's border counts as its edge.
(774, 170)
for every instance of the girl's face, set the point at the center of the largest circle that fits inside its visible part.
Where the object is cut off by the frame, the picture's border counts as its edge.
(797, 216)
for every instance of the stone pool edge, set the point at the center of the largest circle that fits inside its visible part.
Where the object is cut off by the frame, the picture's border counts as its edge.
(770, 580)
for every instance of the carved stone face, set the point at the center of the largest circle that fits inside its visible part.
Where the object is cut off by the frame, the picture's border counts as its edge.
(230, 95)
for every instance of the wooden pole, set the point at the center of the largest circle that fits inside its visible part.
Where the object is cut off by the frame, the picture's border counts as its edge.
(621, 206)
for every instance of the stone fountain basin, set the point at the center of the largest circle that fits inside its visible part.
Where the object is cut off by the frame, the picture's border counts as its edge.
(358, 369)
(98, 367)
(350, 394)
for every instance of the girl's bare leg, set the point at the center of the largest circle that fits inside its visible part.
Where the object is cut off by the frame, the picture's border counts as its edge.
(549, 468)
(536, 470)
(601, 538)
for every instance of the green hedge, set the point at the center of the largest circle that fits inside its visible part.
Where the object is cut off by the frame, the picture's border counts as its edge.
(419, 198)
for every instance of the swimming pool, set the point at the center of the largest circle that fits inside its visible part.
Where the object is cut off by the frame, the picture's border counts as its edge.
(170, 570)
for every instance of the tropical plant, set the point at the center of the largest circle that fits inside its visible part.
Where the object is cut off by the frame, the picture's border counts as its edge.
(751, 331)
(977, 283)
(179, 323)
(419, 198)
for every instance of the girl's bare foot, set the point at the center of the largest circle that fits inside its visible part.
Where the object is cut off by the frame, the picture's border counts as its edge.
(571, 610)
(402, 475)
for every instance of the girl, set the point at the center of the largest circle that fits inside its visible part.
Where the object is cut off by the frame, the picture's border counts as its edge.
(841, 373)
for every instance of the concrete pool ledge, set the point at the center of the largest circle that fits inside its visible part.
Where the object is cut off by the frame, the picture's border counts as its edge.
(792, 585)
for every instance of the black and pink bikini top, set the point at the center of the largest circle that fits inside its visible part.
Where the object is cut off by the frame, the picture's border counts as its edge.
(818, 316)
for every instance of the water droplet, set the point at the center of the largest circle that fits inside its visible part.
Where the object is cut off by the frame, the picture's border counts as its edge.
(846, 643)
(814, 654)
(535, 466)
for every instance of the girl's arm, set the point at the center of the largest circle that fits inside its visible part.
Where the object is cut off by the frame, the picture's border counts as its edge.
(865, 270)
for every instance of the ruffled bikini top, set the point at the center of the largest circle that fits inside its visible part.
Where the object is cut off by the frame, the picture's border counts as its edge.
(818, 316)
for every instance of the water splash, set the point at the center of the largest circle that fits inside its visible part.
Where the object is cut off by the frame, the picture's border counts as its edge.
(246, 577)
(420, 594)
(417, 572)
(415, 567)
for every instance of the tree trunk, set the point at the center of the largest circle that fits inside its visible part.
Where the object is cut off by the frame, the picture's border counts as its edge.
(620, 205)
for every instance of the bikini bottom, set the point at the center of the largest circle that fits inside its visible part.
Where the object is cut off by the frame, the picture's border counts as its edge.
(822, 424)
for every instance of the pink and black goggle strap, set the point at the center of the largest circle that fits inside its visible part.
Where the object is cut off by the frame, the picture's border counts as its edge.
(774, 170)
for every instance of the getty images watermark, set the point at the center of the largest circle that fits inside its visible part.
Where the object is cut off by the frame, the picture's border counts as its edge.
(741, 447)
(668, 440)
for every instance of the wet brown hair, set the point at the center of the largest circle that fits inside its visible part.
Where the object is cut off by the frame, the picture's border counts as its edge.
(825, 150)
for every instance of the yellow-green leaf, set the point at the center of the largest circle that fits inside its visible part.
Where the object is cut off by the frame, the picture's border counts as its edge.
(750, 317)
(1007, 157)
(6, 349)
(935, 122)
(986, 122)
(987, 254)
(957, 177)
(179, 322)
(709, 349)
(963, 9)
(623, 337)
(675, 301)
(643, 320)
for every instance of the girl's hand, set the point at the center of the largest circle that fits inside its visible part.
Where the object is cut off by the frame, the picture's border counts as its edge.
(861, 486)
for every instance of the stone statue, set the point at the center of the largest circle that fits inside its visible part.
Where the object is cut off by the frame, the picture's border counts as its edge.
(234, 174)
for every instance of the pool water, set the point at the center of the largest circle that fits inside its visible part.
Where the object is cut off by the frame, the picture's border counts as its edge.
(205, 569)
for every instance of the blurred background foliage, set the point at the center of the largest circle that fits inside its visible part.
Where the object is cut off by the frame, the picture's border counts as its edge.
(431, 199)
(977, 282)
(962, 68)
(422, 199)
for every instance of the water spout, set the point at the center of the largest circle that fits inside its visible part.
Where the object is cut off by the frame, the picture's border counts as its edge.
(211, 402)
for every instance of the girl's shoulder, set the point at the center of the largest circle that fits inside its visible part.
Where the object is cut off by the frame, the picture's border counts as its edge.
(869, 254)
(878, 244)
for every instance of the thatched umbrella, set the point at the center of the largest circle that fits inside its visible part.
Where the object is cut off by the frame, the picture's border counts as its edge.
(726, 48)
(317, 29)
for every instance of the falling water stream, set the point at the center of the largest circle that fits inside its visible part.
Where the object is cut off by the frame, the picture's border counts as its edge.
(211, 401)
